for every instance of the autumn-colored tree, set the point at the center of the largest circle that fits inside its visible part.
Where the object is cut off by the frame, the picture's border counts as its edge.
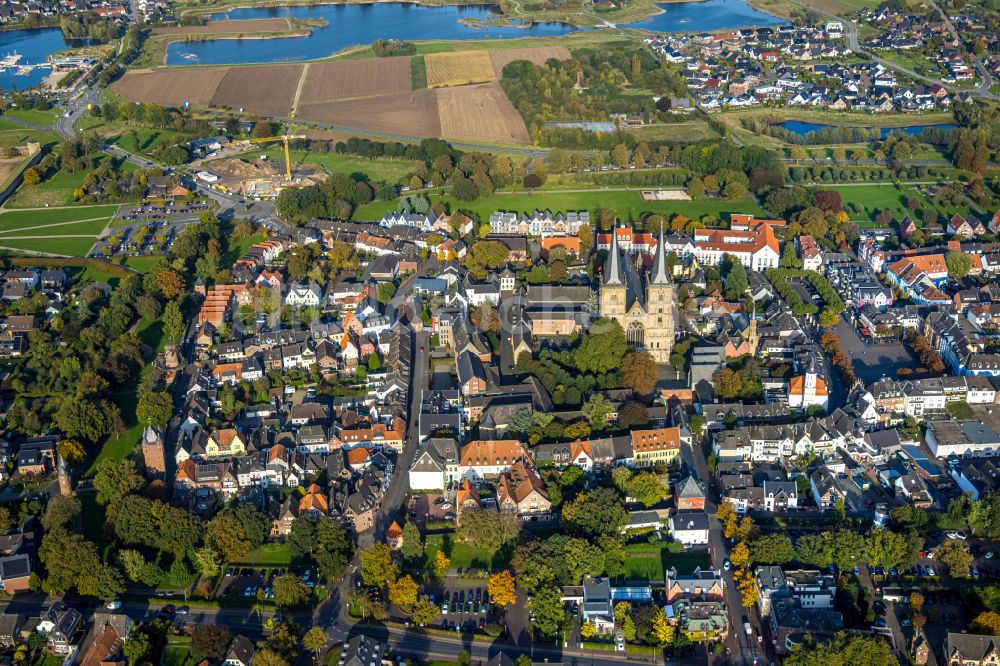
(747, 587)
(501, 588)
(588, 630)
(726, 513)
(916, 601)
(986, 623)
(639, 372)
(170, 282)
(403, 593)
(72, 451)
(740, 555)
(441, 565)
(662, 631)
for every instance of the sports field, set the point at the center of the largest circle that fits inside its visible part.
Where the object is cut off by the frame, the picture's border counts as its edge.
(875, 198)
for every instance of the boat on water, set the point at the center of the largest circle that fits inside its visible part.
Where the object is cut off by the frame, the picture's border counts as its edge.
(11, 59)
(25, 70)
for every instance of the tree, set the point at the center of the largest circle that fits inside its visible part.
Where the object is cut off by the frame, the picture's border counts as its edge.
(225, 535)
(413, 547)
(639, 372)
(291, 591)
(986, 623)
(747, 587)
(114, 480)
(828, 318)
(596, 409)
(385, 291)
(209, 641)
(501, 588)
(955, 553)
(315, 640)
(844, 650)
(594, 513)
(173, 321)
(886, 548)
(645, 488)
(377, 567)
(663, 631)
(602, 348)
(170, 283)
(424, 612)
(464, 658)
(547, 607)
(736, 281)
(633, 414)
(441, 565)
(740, 555)
(588, 630)
(268, 657)
(136, 647)
(60, 511)
(206, 562)
(72, 451)
(403, 592)
(772, 549)
(958, 263)
(154, 408)
(488, 529)
(726, 513)
(32, 176)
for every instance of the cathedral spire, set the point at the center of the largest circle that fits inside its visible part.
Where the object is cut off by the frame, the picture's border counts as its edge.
(613, 272)
(660, 274)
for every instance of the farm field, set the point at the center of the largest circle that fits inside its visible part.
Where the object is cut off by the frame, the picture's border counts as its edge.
(481, 113)
(265, 90)
(536, 54)
(411, 114)
(688, 131)
(171, 86)
(227, 27)
(458, 68)
(331, 81)
(627, 203)
(875, 198)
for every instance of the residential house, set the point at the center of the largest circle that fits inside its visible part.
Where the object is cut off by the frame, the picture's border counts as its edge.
(15, 573)
(660, 445)
(962, 649)
(700, 585)
(109, 635)
(60, 624)
(240, 652)
(689, 527)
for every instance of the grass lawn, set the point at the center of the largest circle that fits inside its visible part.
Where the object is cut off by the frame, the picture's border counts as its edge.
(238, 247)
(627, 203)
(875, 198)
(651, 561)
(47, 660)
(146, 138)
(15, 219)
(461, 555)
(177, 655)
(376, 170)
(33, 116)
(690, 131)
(276, 554)
(19, 135)
(142, 264)
(70, 247)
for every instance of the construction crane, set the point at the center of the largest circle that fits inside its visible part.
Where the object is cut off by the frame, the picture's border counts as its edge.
(283, 138)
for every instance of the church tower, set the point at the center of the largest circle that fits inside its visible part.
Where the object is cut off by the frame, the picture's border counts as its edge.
(153, 454)
(660, 306)
(645, 309)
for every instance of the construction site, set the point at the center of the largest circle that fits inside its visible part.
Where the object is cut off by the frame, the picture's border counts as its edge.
(255, 175)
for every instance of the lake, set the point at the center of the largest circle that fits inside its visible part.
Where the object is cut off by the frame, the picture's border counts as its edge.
(706, 16)
(35, 46)
(350, 25)
(802, 128)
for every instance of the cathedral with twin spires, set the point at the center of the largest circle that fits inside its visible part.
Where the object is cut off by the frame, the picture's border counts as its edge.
(643, 307)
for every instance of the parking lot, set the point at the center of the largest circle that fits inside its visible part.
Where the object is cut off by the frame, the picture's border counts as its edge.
(429, 507)
(873, 361)
(246, 582)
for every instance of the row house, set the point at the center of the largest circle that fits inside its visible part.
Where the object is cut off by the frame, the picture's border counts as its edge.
(539, 223)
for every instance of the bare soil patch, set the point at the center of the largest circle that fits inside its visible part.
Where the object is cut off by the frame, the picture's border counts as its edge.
(334, 81)
(9, 166)
(268, 91)
(458, 68)
(241, 26)
(481, 113)
(413, 113)
(536, 54)
(171, 86)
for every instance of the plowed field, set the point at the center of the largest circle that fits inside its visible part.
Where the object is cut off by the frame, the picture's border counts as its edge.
(333, 81)
(171, 87)
(480, 113)
(265, 90)
(536, 54)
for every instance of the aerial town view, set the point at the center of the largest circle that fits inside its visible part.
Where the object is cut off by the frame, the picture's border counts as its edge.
(500, 332)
